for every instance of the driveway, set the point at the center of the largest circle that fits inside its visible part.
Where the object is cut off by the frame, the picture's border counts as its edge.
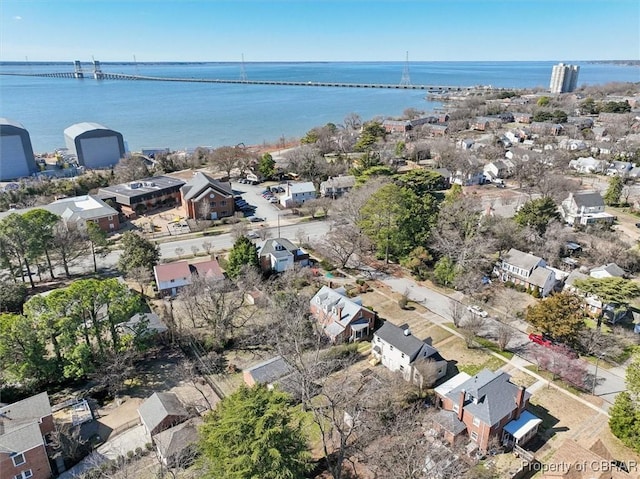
(608, 382)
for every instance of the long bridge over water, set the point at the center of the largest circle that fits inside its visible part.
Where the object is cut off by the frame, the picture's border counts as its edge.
(98, 74)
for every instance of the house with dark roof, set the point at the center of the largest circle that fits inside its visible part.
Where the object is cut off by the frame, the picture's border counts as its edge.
(177, 446)
(204, 197)
(267, 372)
(399, 350)
(342, 318)
(484, 406)
(280, 254)
(23, 427)
(161, 411)
(527, 270)
(585, 208)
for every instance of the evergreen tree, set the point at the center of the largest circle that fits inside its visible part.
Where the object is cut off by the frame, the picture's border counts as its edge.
(538, 214)
(244, 252)
(614, 191)
(254, 434)
(137, 252)
(624, 416)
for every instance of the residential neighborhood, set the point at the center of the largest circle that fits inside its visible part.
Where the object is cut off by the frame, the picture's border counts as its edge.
(462, 286)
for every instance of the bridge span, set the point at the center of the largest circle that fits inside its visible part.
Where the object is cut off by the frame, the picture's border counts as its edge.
(100, 75)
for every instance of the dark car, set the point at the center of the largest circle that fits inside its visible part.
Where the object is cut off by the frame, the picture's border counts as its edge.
(255, 219)
(637, 225)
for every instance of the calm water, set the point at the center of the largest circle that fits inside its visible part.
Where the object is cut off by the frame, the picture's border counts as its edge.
(183, 115)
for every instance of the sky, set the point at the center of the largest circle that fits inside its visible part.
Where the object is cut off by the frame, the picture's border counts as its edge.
(319, 30)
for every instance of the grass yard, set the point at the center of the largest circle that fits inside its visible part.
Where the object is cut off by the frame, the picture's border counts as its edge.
(468, 360)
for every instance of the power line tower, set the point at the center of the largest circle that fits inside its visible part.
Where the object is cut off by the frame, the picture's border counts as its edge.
(243, 72)
(406, 77)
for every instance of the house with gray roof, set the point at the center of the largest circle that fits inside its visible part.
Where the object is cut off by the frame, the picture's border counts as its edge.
(176, 446)
(23, 427)
(280, 254)
(342, 318)
(267, 372)
(297, 193)
(527, 270)
(585, 208)
(484, 406)
(337, 186)
(399, 350)
(204, 197)
(161, 411)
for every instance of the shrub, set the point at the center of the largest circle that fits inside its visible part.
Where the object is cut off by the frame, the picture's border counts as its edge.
(402, 302)
(148, 446)
(130, 454)
(138, 451)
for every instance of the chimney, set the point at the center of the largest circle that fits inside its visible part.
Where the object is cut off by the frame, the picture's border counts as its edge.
(519, 401)
(407, 332)
(461, 404)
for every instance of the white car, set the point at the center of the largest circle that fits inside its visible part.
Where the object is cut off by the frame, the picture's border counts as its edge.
(252, 235)
(477, 310)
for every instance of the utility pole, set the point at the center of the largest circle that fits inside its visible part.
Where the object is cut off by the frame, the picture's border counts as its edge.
(595, 376)
(406, 77)
(243, 72)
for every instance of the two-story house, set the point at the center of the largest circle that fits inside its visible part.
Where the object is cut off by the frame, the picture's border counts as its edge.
(23, 427)
(341, 318)
(297, 193)
(585, 208)
(399, 350)
(527, 270)
(206, 198)
(280, 254)
(485, 406)
(337, 186)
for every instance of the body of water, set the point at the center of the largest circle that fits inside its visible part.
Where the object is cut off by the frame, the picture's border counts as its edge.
(186, 115)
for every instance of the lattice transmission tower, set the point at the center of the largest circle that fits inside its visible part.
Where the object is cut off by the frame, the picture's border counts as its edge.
(243, 72)
(406, 77)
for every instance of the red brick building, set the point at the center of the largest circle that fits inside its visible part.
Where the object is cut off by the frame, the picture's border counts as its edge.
(23, 426)
(485, 406)
(342, 319)
(206, 198)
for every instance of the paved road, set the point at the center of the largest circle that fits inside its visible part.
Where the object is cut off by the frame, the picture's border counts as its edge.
(609, 382)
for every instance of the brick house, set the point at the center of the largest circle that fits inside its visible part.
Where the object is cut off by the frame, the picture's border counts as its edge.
(23, 427)
(206, 198)
(487, 405)
(341, 318)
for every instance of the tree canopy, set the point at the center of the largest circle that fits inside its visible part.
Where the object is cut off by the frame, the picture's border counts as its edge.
(610, 290)
(254, 433)
(137, 252)
(538, 214)
(244, 252)
(614, 191)
(624, 416)
(560, 316)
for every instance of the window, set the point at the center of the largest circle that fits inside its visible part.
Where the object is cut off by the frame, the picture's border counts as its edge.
(402, 355)
(18, 459)
(476, 421)
(456, 408)
(110, 218)
(474, 436)
(401, 367)
(212, 204)
(24, 474)
(223, 203)
(391, 348)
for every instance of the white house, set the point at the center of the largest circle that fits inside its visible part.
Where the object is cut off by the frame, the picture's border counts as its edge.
(280, 254)
(298, 193)
(610, 270)
(585, 208)
(399, 350)
(588, 165)
(171, 277)
(337, 186)
(527, 270)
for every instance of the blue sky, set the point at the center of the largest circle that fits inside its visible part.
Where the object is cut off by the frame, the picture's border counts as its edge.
(318, 30)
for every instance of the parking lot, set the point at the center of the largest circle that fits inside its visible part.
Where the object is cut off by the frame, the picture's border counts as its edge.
(264, 209)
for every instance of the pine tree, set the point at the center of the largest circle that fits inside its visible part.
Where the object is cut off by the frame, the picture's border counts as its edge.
(244, 252)
(254, 433)
(614, 191)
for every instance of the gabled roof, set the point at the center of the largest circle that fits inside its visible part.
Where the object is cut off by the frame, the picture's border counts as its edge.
(329, 298)
(154, 323)
(199, 184)
(539, 276)
(271, 247)
(588, 199)
(339, 182)
(158, 407)
(489, 396)
(23, 412)
(449, 421)
(173, 441)
(523, 260)
(303, 187)
(207, 269)
(22, 438)
(405, 342)
(612, 269)
(269, 371)
(169, 271)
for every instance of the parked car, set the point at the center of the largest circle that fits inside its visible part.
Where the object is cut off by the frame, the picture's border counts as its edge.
(273, 199)
(255, 219)
(637, 225)
(478, 311)
(252, 235)
(541, 340)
